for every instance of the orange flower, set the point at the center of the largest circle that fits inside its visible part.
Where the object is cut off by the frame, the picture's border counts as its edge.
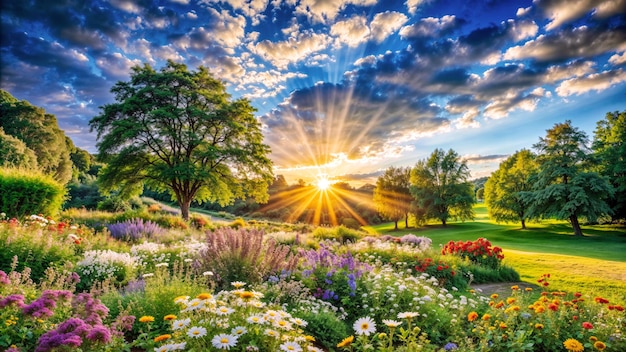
(494, 296)
(472, 316)
(514, 287)
(503, 326)
(162, 338)
(539, 326)
(486, 317)
(169, 317)
(599, 345)
(205, 296)
(346, 342)
(540, 309)
(528, 289)
(146, 319)
(510, 300)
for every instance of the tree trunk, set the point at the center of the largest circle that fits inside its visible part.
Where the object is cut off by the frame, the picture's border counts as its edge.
(574, 221)
(184, 209)
(523, 224)
(396, 229)
(443, 222)
(406, 221)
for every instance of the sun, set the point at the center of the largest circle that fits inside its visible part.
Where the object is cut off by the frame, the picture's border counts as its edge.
(323, 183)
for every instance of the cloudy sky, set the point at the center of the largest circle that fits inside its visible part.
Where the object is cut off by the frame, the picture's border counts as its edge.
(344, 88)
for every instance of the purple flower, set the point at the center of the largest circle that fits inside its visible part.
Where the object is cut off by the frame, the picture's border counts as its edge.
(4, 278)
(16, 299)
(134, 229)
(450, 346)
(99, 333)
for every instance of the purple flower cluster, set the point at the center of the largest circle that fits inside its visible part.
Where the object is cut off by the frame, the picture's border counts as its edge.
(43, 306)
(16, 299)
(89, 309)
(71, 333)
(135, 229)
(4, 278)
(122, 323)
(450, 346)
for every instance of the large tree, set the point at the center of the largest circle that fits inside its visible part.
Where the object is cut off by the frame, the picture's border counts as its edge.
(392, 196)
(505, 188)
(40, 132)
(177, 130)
(564, 188)
(440, 187)
(609, 144)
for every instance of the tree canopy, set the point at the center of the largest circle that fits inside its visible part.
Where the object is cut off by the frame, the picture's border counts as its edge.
(440, 187)
(564, 188)
(177, 130)
(392, 196)
(610, 148)
(39, 133)
(505, 189)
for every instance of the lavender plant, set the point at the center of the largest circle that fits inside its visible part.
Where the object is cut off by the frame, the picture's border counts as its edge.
(134, 229)
(243, 255)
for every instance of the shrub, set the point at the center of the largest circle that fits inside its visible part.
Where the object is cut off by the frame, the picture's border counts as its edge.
(479, 252)
(242, 255)
(98, 266)
(135, 229)
(24, 193)
(339, 233)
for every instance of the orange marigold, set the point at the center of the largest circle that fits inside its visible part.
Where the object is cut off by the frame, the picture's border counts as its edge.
(146, 319)
(162, 337)
(472, 316)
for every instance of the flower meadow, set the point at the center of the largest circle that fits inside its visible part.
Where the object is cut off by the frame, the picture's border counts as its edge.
(343, 291)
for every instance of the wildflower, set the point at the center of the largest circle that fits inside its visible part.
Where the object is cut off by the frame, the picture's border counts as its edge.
(539, 326)
(290, 346)
(494, 296)
(245, 295)
(472, 316)
(450, 346)
(169, 317)
(224, 341)
(223, 310)
(514, 287)
(146, 319)
(99, 333)
(528, 289)
(204, 296)
(346, 342)
(162, 337)
(364, 326)
(593, 339)
(486, 317)
(239, 330)
(599, 345)
(299, 322)
(272, 333)
(255, 319)
(407, 315)
(207, 273)
(391, 323)
(283, 324)
(181, 299)
(196, 331)
(180, 324)
(587, 325)
(573, 345)
(161, 264)
(503, 326)
(238, 284)
(510, 300)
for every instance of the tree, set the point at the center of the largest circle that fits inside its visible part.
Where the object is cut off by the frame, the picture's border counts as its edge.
(563, 188)
(505, 188)
(440, 187)
(14, 153)
(610, 148)
(177, 131)
(392, 196)
(39, 132)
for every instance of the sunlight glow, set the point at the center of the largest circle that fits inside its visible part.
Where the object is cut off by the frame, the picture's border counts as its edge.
(323, 183)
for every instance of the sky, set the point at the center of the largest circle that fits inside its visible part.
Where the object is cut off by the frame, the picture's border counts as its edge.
(343, 88)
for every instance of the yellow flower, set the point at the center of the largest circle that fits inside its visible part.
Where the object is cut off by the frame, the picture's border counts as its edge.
(515, 288)
(169, 317)
(486, 317)
(503, 326)
(146, 319)
(593, 339)
(346, 342)
(539, 326)
(573, 345)
(599, 345)
(510, 300)
(162, 337)
(528, 289)
(309, 338)
(246, 295)
(205, 296)
(494, 296)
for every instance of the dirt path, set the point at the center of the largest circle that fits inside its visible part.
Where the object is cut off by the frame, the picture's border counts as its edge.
(501, 288)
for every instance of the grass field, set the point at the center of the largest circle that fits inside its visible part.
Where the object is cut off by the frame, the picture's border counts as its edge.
(595, 263)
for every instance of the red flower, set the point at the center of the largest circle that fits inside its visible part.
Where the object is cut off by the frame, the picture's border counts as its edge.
(577, 294)
(553, 307)
(587, 325)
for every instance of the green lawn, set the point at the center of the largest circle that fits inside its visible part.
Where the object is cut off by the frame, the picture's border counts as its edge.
(596, 262)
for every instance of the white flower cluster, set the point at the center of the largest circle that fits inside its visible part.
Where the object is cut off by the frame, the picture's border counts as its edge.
(104, 263)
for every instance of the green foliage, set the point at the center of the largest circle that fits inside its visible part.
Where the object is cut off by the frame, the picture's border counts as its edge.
(14, 153)
(505, 188)
(564, 187)
(39, 132)
(339, 233)
(350, 223)
(176, 131)
(24, 193)
(326, 327)
(610, 150)
(391, 195)
(440, 187)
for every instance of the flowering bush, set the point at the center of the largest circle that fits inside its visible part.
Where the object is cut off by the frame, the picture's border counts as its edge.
(97, 266)
(479, 251)
(134, 229)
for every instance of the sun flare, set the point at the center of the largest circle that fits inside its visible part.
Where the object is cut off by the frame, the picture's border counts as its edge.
(323, 183)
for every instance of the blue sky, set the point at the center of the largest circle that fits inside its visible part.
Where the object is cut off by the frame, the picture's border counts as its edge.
(344, 88)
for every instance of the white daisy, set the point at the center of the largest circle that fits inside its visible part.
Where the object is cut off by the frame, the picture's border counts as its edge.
(181, 323)
(299, 322)
(223, 310)
(391, 323)
(196, 331)
(364, 326)
(224, 341)
(407, 315)
(272, 333)
(238, 284)
(239, 330)
(255, 319)
(290, 346)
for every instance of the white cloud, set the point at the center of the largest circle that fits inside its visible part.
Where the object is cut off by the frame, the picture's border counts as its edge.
(250, 8)
(521, 30)
(352, 32)
(384, 24)
(598, 82)
(561, 12)
(294, 49)
(192, 15)
(428, 27)
(116, 65)
(412, 5)
(182, 2)
(521, 12)
(618, 59)
(323, 10)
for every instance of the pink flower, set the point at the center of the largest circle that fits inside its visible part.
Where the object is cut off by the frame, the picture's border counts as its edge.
(587, 325)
